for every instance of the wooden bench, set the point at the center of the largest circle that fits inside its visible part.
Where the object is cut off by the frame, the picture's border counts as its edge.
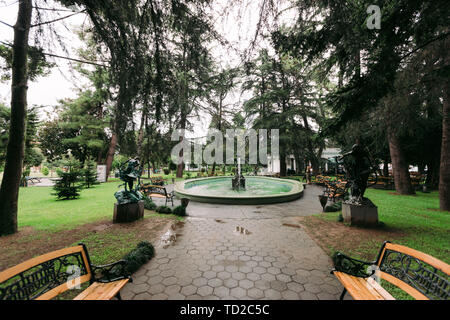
(335, 189)
(157, 192)
(46, 276)
(420, 275)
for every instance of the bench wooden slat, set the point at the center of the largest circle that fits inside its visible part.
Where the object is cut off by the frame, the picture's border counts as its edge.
(404, 286)
(361, 289)
(11, 272)
(102, 291)
(62, 288)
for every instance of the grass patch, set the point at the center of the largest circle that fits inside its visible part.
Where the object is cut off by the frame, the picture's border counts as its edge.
(414, 221)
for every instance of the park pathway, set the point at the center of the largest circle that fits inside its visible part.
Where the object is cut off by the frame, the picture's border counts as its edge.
(272, 258)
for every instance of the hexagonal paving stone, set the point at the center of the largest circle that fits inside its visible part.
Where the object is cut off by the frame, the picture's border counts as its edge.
(289, 295)
(169, 281)
(326, 296)
(199, 282)
(173, 289)
(253, 276)
(296, 287)
(142, 296)
(140, 279)
(273, 270)
(238, 275)
(230, 283)
(268, 277)
(272, 294)
(140, 288)
(259, 270)
(247, 284)
(167, 273)
(218, 268)
(209, 274)
(176, 296)
(307, 296)
(155, 280)
(313, 288)
(232, 268)
(157, 288)
(224, 275)
(283, 277)
(255, 293)
(221, 291)
(238, 292)
(184, 281)
(278, 285)
(188, 290)
(262, 284)
(204, 291)
(215, 282)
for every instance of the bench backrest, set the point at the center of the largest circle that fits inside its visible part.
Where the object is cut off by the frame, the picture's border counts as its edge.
(420, 275)
(46, 276)
(155, 189)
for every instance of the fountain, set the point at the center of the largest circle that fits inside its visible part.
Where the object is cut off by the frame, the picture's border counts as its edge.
(238, 182)
(251, 190)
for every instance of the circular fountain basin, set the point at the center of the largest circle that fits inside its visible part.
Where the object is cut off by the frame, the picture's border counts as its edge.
(259, 190)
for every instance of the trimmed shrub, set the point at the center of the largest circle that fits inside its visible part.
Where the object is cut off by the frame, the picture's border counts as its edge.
(143, 252)
(149, 204)
(45, 171)
(164, 209)
(179, 211)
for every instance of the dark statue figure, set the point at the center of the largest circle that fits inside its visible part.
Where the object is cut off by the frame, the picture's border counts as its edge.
(129, 172)
(358, 167)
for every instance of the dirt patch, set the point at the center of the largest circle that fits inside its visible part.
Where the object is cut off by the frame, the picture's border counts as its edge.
(334, 236)
(29, 243)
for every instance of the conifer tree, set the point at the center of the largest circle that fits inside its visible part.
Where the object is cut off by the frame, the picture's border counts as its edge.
(90, 175)
(68, 187)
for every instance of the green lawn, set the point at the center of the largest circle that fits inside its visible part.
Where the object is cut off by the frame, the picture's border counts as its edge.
(416, 218)
(425, 227)
(42, 211)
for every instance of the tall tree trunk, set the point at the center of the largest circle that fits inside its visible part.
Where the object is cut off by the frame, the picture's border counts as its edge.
(9, 190)
(400, 168)
(432, 180)
(444, 176)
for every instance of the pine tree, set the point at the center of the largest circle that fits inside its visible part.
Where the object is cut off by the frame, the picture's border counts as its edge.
(68, 186)
(90, 175)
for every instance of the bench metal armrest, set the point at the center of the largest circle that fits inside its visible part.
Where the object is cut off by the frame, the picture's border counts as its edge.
(111, 272)
(352, 266)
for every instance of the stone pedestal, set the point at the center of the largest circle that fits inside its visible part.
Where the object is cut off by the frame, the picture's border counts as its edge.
(360, 215)
(128, 212)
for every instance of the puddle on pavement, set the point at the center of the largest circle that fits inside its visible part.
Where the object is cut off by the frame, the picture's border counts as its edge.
(241, 230)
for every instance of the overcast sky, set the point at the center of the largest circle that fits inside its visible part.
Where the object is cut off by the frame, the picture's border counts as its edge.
(238, 27)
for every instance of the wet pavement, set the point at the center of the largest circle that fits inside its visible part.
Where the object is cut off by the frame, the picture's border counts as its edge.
(239, 252)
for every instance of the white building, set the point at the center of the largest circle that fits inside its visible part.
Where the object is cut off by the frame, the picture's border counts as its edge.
(273, 165)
